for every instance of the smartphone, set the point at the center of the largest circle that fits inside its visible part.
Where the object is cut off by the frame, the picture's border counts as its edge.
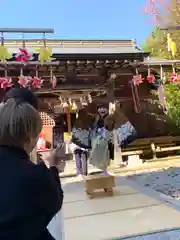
(60, 152)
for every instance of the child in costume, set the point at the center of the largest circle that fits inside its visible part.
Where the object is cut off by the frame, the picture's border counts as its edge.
(81, 143)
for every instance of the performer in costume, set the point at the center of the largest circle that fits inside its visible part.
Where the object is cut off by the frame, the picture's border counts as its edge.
(96, 132)
(124, 130)
(117, 130)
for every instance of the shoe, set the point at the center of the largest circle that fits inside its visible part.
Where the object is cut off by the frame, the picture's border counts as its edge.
(79, 177)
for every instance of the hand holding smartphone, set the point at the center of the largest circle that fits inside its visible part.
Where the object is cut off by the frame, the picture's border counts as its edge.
(56, 158)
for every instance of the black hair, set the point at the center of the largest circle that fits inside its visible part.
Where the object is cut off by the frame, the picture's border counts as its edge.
(22, 95)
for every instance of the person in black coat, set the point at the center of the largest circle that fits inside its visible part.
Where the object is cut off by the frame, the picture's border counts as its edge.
(30, 194)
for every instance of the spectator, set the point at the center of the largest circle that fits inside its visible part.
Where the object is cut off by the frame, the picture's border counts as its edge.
(31, 194)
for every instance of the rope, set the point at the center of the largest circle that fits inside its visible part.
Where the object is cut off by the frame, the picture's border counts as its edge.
(135, 95)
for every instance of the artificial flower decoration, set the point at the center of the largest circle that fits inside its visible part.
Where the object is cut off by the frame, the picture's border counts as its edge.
(37, 82)
(24, 81)
(137, 80)
(174, 78)
(4, 53)
(45, 54)
(151, 78)
(5, 82)
(54, 81)
(24, 56)
(164, 79)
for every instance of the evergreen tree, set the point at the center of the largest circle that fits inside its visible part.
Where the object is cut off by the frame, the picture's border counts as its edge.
(156, 43)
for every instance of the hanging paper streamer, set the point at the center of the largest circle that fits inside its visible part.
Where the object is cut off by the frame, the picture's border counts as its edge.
(24, 56)
(171, 45)
(37, 82)
(4, 53)
(65, 104)
(164, 78)
(83, 101)
(162, 98)
(54, 81)
(45, 54)
(169, 42)
(74, 106)
(70, 102)
(5, 82)
(89, 98)
(173, 48)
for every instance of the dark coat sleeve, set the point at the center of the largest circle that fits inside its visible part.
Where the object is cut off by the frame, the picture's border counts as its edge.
(79, 143)
(46, 193)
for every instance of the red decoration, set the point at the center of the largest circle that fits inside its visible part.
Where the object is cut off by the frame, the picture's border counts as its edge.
(23, 56)
(151, 78)
(41, 144)
(5, 82)
(24, 81)
(138, 79)
(175, 78)
(54, 81)
(37, 82)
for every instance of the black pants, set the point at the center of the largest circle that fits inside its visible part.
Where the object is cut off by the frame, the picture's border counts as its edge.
(111, 150)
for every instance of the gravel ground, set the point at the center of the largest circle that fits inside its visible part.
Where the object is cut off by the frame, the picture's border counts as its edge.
(164, 180)
(169, 235)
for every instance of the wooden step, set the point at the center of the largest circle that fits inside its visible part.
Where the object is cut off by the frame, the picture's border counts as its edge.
(96, 184)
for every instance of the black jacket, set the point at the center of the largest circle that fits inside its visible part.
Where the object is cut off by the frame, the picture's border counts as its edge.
(30, 196)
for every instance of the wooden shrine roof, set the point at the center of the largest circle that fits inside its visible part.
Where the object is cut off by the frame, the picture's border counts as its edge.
(83, 49)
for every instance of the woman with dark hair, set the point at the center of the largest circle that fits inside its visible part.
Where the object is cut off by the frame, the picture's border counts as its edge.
(23, 95)
(31, 194)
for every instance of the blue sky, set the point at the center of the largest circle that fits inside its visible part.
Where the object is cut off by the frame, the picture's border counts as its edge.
(78, 19)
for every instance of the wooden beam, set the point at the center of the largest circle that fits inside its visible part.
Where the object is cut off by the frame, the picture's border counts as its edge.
(34, 63)
(27, 30)
(72, 87)
(167, 28)
(162, 62)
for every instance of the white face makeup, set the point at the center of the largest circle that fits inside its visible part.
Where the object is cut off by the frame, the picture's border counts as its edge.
(102, 111)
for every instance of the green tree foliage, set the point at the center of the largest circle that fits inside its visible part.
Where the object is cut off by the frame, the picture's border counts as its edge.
(156, 43)
(172, 92)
